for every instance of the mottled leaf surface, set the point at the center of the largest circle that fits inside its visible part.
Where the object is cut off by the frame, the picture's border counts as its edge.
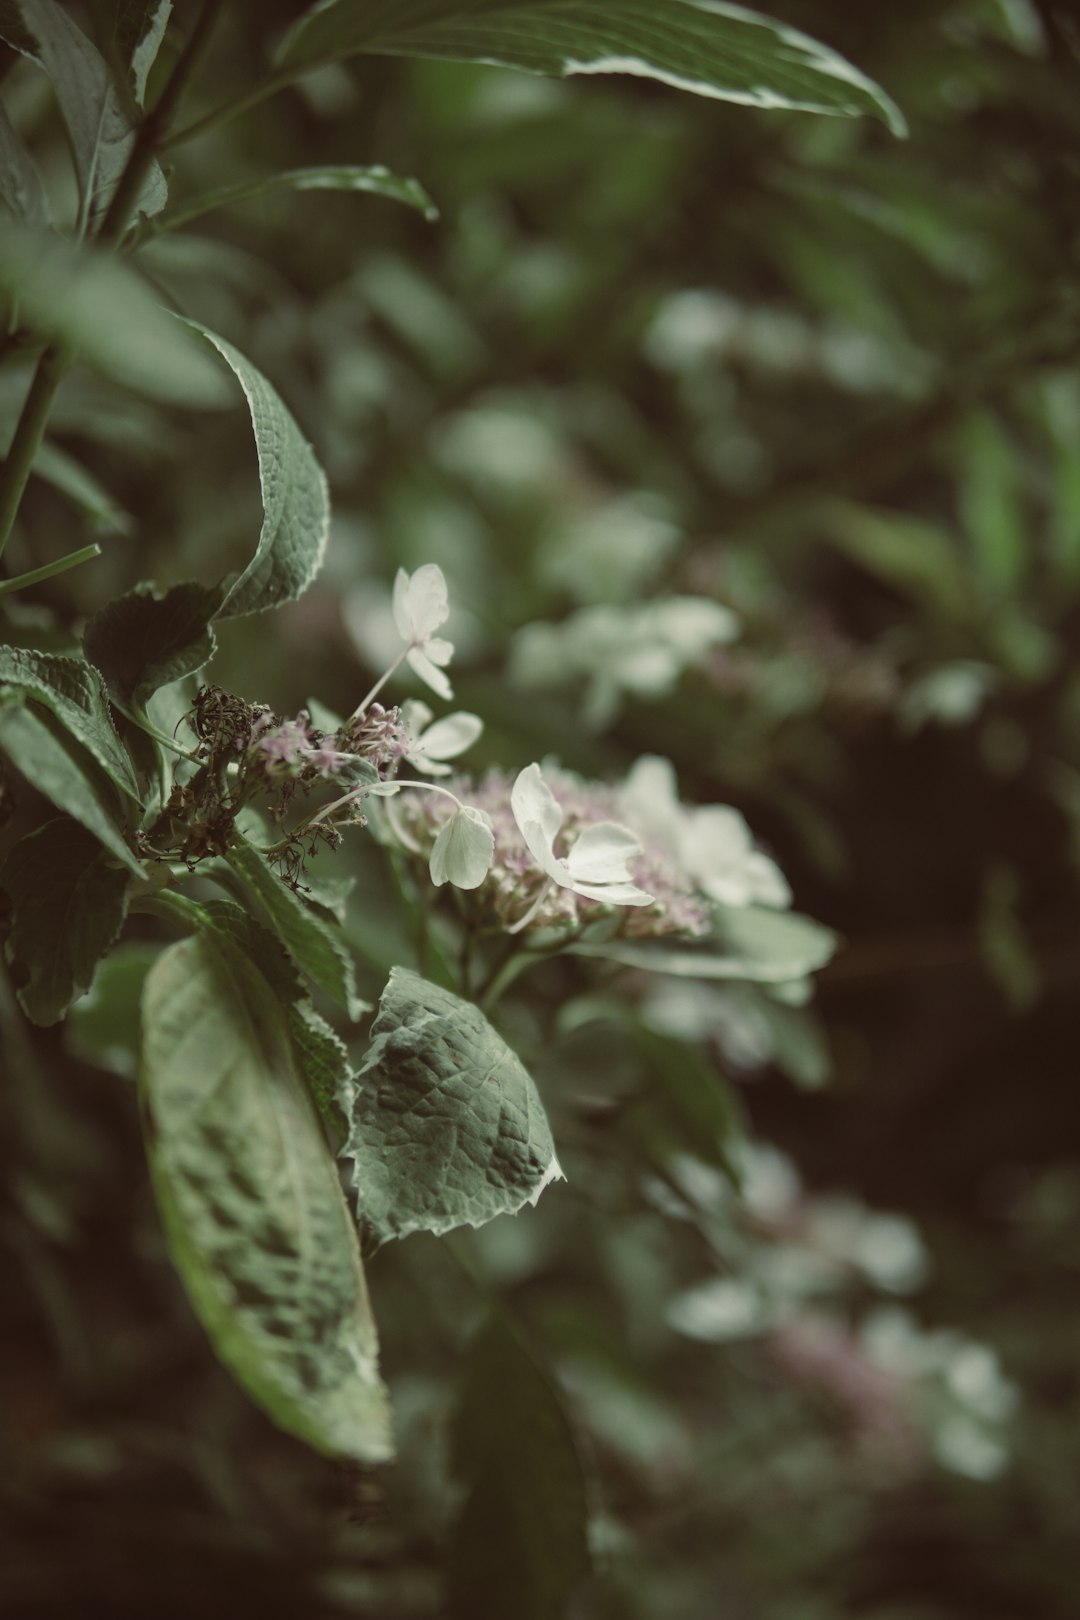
(447, 1127)
(251, 1202)
(151, 637)
(76, 695)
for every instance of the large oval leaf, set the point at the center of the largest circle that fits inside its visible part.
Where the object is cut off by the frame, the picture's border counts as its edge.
(704, 46)
(447, 1127)
(251, 1202)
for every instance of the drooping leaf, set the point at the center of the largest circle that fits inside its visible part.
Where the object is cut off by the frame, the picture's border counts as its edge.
(84, 491)
(65, 773)
(21, 189)
(315, 944)
(251, 1202)
(447, 1128)
(374, 180)
(296, 505)
(100, 131)
(75, 693)
(100, 309)
(519, 1547)
(750, 942)
(151, 637)
(723, 51)
(68, 904)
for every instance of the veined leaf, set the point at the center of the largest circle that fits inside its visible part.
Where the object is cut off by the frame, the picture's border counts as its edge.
(704, 46)
(140, 29)
(65, 773)
(314, 943)
(519, 1547)
(151, 637)
(296, 505)
(447, 1127)
(21, 189)
(68, 905)
(100, 308)
(75, 693)
(375, 181)
(100, 131)
(251, 1202)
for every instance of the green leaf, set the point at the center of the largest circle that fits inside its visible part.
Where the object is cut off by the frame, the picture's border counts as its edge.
(21, 189)
(140, 29)
(100, 131)
(689, 1107)
(711, 49)
(91, 498)
(909, 553)
(519, 1547)
(296, 505)
(100, 309)
(251, 1201)
(755, 943)
(64, 772)
(104, 1028)
(314, 943)
(151, 637)
(68, 905)
(75, 692)
(447, 1128)
(374, 180)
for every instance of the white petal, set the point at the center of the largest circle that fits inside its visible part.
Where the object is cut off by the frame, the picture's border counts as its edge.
(463, 852)
(537, 813)
(614, 894)
(602, 853)
(429, 674)
(400, 606)
(416, 715)
(451, 735)
(438, 650)
(649, 799)
(426, 602)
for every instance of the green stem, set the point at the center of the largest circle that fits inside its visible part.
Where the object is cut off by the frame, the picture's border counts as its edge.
(170, 905)
(151, 135)
(47, 571)
(140, 718)
(231, 109)
(28, 435)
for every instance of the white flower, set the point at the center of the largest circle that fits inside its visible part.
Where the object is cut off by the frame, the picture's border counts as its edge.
(420, 605)
(598, 864)
(430, 743)
(712, 843)
(464, 850)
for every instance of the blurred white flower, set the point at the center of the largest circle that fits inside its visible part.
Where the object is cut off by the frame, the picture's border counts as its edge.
(598, 863)
(420, 605)
(430, 742)
(711, 843)
(464, 850)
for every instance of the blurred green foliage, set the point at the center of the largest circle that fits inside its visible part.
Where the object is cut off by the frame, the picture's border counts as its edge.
(654, 348)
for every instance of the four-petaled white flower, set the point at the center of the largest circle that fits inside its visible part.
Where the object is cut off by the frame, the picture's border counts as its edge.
(710, 843)
(430, 742)
(597, 865)
(420, 605)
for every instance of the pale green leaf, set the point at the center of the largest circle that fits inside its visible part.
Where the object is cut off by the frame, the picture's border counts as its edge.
(296, 504)
(101, 134)
(151, 637)
(140, 29)
(373, 180)
(712, 49)
(447, 1128)
(75, 692)
(519, 1547)
(315, 944)
(65, 773)
(68, 905)
(100, 309)
(104, 1027)
(21, 189)
(251, 1201)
